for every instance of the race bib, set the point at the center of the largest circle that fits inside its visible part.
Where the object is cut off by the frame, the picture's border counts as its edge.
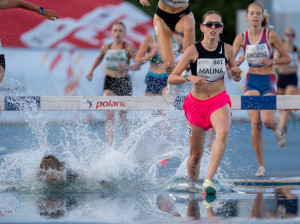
(212, 69)
(114, 57)
(254, 53)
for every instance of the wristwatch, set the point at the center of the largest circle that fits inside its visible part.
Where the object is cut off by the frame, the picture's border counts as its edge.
(41, 11)
(185, 76)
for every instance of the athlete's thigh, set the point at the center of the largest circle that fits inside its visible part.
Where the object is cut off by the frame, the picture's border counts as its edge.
(164, 39)
(185, 21)
(221, 118)
(290, 90)
(254, 115)
(252, 93)
(268, 115)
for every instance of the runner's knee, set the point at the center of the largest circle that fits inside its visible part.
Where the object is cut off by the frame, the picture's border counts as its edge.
(256, 125)
(222, 133)
(195, 158)
(196, 154)
(268, 123)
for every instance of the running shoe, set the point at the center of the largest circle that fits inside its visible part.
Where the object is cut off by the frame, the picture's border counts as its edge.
(209, 187)
(260, 172)
(209, 200)
(171, 93)
(280, 137)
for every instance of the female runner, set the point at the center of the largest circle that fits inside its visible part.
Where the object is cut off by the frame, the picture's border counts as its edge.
(258, 44)
(156, 79)
(117, 81)
(208, 104)
(287, 74)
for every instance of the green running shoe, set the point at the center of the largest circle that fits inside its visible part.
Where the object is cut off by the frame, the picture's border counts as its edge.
(209, 200)
(209, 187)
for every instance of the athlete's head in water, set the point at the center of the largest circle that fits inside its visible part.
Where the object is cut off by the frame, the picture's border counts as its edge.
(51, 169)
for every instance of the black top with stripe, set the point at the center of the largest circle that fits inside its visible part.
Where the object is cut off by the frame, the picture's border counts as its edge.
(219, 53)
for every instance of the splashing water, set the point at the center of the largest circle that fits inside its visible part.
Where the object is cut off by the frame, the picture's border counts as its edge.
(96, 163)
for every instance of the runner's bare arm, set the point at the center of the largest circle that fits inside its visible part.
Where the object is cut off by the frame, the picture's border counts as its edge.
(276, 43)
(237, 44)
(97, 61)
(234, 70)
(147, 46)
(7, 4)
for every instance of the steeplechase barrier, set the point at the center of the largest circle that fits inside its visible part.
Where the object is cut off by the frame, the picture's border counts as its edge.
(94, 103)
(102, 103)
(265, 182)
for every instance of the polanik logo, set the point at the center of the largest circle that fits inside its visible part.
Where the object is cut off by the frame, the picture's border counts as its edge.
(110, 103)
(90, 103)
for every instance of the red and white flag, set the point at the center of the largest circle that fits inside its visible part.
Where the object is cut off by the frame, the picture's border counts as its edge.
(82, 24)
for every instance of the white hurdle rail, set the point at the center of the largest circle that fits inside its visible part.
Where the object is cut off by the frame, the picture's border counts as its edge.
(102, 103)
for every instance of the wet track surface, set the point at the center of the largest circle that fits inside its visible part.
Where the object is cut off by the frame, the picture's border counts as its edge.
(139, 203)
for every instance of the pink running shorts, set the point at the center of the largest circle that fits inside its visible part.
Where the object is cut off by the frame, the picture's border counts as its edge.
(198, 112)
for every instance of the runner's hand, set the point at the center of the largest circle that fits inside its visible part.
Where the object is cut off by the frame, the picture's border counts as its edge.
(122, 67)
(264, 62)
(198, 81)
(145, 2)
(51, 15)
(236, 73)
(89, 76)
